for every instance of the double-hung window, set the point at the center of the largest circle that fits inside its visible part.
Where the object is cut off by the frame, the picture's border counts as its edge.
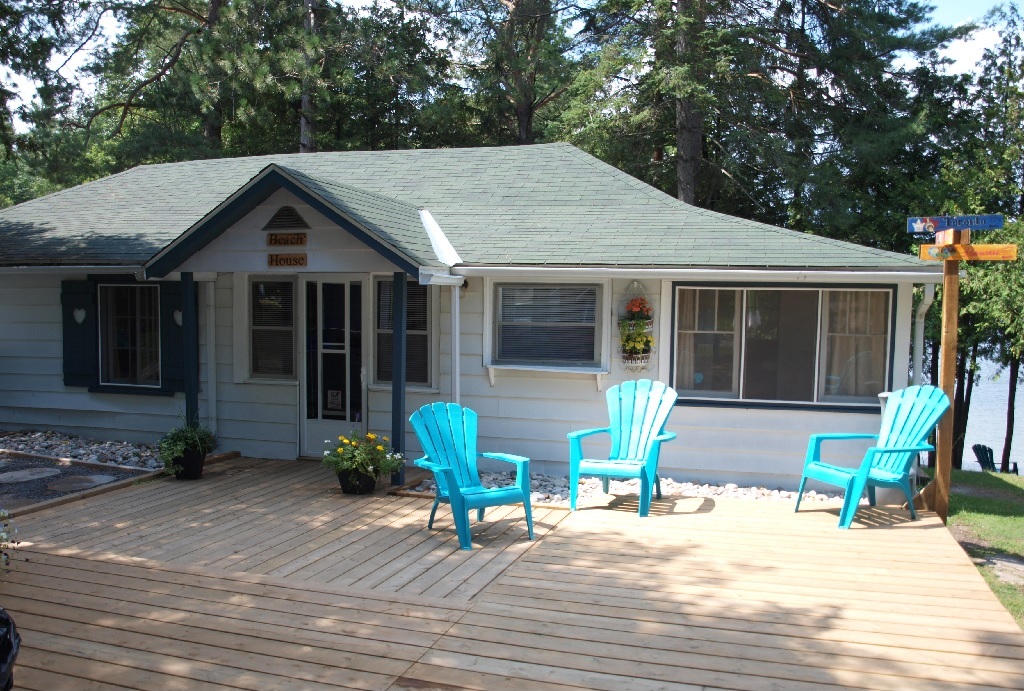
(417, 332)
(129, 333)
(272, 329)
(767, 344)
(547, 325)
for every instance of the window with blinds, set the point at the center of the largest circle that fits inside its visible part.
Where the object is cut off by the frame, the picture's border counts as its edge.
(417, 332)
(553, 325)
(272, 329)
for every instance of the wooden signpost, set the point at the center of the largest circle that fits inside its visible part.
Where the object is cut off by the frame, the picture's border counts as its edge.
(952, 245)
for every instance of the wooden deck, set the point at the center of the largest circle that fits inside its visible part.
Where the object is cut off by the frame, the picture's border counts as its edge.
(262, 576)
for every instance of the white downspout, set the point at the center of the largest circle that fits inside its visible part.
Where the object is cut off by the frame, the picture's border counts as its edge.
(456, 344)
(211, 355)
(922, 310)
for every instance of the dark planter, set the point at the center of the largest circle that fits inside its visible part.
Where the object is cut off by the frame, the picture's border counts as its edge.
(356, 483)
(10, 644)
(191, 465)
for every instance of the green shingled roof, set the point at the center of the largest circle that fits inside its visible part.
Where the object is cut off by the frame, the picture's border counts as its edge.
(543, 205)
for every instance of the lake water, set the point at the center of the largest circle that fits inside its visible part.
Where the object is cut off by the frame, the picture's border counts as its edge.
(987, 422)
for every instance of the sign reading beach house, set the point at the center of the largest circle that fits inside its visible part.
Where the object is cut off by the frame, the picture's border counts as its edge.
(286, 261)
(286, 239)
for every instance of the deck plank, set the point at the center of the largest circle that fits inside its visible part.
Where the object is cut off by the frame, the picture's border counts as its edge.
(263, 575)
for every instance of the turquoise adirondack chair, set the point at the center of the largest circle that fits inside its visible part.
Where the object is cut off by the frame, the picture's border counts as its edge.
(910, 416)
(637, 413)
(447, 433)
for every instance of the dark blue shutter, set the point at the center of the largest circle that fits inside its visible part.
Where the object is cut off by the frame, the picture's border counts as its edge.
(81, 335)
(172, 356)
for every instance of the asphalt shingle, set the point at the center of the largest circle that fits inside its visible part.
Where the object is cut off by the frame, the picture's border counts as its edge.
(549, 204)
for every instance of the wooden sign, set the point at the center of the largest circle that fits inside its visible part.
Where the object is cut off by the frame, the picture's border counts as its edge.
(284, 261)
(968, 253)
(926, 225)
(286, 239)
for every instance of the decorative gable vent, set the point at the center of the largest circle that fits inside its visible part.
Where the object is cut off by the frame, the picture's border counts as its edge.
(287, 218)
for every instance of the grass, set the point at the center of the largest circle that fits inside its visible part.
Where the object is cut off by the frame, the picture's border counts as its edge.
(989, 507)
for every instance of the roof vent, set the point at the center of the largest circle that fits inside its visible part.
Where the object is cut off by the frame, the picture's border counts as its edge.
(287, 218)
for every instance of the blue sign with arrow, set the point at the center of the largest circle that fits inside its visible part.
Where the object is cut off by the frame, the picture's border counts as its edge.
(928, 225)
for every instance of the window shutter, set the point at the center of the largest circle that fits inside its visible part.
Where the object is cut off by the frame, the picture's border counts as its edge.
(172, 355)
(81, 350)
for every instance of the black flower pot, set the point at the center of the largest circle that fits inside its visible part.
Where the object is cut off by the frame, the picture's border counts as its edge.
(191, 465)
(353, 482)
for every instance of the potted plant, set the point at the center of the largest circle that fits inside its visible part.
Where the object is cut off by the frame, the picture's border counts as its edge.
(360, 459)
(636, 343)
(639, 310)
(183, 450)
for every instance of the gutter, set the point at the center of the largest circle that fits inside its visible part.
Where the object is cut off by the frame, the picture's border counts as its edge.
(728, 275)
(74, 269)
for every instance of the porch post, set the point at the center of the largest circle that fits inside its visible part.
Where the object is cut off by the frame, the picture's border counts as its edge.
(190, 347)
(398, 346)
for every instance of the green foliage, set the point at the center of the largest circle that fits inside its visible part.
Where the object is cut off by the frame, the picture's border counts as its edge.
(367, 454)
(187, 437)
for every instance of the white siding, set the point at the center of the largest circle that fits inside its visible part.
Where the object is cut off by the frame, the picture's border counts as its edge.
(530, 413)
(254, 418)
(32, 391)
(243, 247)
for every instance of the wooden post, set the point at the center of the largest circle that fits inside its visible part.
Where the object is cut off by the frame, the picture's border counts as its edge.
(190, 346)
(947, 382)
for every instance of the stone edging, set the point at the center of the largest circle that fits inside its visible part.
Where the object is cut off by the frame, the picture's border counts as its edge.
(102, 489)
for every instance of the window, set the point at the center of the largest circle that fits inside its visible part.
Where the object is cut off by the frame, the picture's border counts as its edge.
(129, 335)
(417, 332)
(272, 329)
(782, 344)
(554, 325)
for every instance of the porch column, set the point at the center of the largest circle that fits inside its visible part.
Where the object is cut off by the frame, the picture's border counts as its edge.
(190, 347)
(398, 371)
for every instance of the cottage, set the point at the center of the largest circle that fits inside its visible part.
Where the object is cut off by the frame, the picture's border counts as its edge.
(264, 291)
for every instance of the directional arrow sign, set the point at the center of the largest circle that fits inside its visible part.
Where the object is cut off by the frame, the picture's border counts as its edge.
(926, 225)
(969, 253)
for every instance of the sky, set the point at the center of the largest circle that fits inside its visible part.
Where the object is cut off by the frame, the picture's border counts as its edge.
(956, 12)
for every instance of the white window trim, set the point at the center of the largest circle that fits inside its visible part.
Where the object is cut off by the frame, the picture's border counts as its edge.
(603, 341)
(99, 336)
(433, 336)
(671, 330)
(240, 329)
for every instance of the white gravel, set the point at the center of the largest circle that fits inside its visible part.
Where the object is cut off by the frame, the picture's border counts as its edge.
(546, 488)
(550, 490)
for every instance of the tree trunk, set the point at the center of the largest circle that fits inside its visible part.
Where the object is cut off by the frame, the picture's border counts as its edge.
(966, 368)
(958, 409)
(307, 124)
(1011, 401)
(689, 123)
(213, 118)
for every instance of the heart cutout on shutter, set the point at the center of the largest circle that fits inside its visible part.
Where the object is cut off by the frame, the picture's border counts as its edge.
(79, 315)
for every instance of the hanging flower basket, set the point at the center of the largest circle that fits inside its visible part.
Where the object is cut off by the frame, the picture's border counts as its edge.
(636, 360)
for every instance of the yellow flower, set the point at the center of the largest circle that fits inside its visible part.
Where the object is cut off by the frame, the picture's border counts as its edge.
(384, 438)
(371, 437)
(339, 449)
(341, 438)
(379, 447)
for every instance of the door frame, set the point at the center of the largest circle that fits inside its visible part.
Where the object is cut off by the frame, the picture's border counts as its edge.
(364, 279)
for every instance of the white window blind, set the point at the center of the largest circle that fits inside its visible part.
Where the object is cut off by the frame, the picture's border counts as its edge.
(272, 329)
(547, 324)
(417, 332)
